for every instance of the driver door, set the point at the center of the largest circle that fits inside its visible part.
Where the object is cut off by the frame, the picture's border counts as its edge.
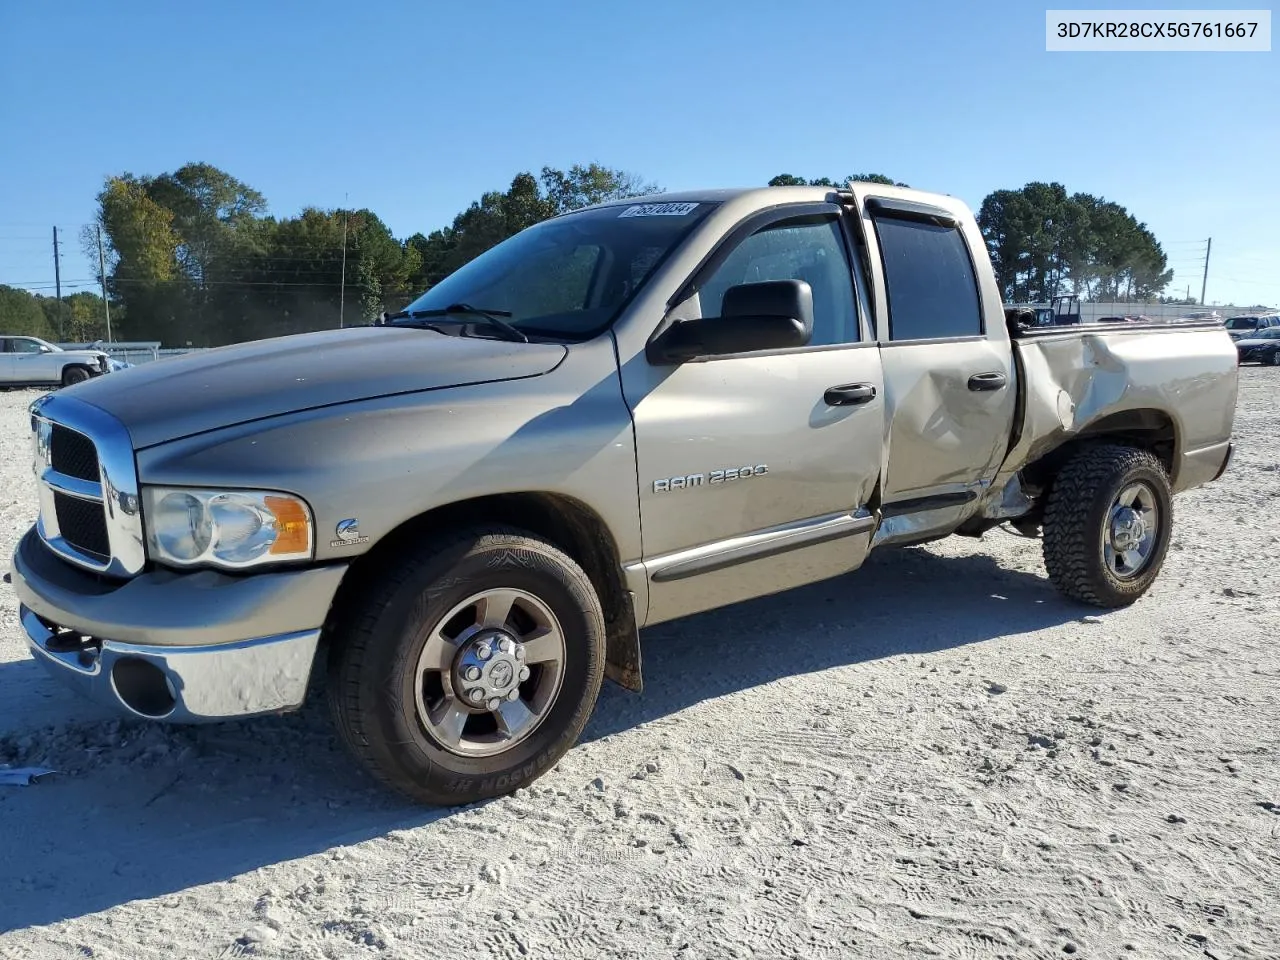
(755, 471)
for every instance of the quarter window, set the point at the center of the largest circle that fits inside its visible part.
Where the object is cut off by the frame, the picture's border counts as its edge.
(812, 251)
(932, 291)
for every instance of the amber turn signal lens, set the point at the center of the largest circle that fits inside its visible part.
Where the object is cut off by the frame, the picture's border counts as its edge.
(293, 532)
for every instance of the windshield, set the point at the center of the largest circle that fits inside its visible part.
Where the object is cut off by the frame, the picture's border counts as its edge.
(569, 277)
(1242, 323)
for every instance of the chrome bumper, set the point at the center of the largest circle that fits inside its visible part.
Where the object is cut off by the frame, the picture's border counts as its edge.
(184, 648)
(182, 684)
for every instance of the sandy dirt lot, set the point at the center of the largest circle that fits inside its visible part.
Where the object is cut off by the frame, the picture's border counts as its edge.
(936, 756)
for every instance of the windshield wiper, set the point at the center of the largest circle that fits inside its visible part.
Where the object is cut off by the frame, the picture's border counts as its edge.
(492, 318)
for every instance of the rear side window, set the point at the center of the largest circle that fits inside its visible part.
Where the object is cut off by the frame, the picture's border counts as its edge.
(932, 290)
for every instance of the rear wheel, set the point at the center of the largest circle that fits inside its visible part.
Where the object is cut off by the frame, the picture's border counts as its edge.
(470, 669)
(74, 375)
(1275, 358)
(1106, 525)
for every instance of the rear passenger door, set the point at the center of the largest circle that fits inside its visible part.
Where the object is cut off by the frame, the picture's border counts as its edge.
(949, 383)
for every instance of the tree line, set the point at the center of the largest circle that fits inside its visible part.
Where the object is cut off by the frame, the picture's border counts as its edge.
(193, 257)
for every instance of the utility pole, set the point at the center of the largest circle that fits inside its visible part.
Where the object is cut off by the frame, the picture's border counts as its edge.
(57, 268)
(102, 275)
(1208, 246)
(342, 286)
(57, 279)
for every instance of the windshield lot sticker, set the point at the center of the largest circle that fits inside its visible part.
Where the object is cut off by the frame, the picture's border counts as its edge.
(658, 210)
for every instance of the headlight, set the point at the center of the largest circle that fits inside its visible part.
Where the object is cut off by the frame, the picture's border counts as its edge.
(225, 528)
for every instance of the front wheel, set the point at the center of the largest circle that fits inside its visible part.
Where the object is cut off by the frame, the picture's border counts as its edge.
(74, 375)
(469, 669)
(1106, 525)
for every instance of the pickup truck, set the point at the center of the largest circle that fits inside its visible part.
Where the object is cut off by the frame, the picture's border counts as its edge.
(30, 361)
(464, 515)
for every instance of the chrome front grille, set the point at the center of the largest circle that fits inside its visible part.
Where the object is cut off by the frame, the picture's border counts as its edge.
(73, 454)
(83, 524)
(88, 486)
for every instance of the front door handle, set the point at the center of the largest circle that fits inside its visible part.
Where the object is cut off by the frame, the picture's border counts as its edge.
(849, 394)
(988, 381)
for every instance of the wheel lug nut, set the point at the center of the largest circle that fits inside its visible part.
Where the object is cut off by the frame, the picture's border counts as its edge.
(484, 651)
(494, 704)
(513, 695)
(476, 695)
(524, 674)
(520, 654)
(506, 645)
(473, 673)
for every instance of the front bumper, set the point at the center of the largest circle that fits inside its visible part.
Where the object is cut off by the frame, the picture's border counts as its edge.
(184, 648)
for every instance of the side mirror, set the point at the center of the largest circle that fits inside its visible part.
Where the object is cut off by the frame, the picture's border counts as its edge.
(772, 315)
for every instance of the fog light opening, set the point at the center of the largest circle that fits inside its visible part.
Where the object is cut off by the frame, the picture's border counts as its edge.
(143, 687)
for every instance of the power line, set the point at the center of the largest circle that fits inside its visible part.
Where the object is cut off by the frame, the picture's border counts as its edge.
(207, 283)
(1205, 282)
(1262, 283)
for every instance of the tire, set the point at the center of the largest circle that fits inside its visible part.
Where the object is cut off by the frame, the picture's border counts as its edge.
(1079, 525)
(384, 701)
(1275, 358)
(73, 375)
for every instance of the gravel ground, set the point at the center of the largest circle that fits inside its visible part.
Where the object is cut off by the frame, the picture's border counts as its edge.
(936, 756)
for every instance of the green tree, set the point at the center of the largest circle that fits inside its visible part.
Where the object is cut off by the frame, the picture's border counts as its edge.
(209, 208)
(790, 180)
(592, 184)
(142, 260)
(194, 257)
(529, 200)
(20, 314)
(1044, 242)
(78, 318)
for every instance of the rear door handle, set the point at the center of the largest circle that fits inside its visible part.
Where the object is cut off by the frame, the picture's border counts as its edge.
(849, 394)
(987, 381)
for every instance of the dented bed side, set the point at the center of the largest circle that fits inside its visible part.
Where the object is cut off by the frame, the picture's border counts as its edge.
(1107, 380)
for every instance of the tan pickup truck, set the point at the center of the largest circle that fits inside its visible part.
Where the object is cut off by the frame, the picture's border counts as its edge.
(623, 415)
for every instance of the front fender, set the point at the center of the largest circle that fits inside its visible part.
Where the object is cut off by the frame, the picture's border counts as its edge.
(385, 461)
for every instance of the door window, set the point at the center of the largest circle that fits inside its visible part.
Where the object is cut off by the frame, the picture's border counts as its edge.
(812, 251)
(932, 290)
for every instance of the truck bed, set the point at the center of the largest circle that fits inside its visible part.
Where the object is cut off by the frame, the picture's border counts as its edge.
(1177, 379)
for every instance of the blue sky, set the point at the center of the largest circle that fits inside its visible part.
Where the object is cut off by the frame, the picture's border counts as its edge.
(413, 109)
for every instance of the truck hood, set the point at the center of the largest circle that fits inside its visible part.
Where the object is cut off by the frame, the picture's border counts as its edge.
(208, 389)
(79, 354)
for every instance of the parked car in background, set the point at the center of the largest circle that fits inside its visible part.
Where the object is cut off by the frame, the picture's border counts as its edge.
(32, 362)
(1246, 324)
(1260, 347)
